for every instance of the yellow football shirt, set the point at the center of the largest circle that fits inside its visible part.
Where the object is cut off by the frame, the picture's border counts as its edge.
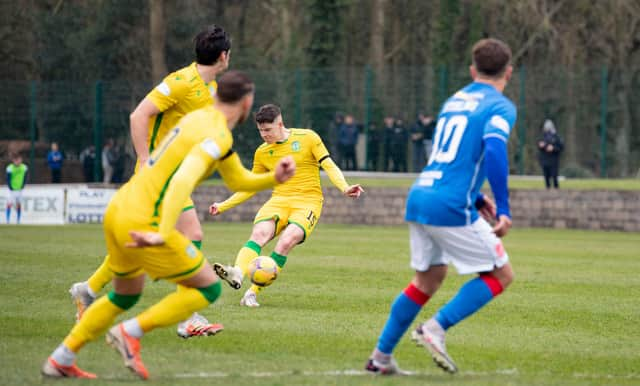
(309, 152)
(179, 93)
(307, 149)
(205, 128)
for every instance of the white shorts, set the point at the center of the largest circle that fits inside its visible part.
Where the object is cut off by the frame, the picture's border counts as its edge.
(15, 197)
(471, 248)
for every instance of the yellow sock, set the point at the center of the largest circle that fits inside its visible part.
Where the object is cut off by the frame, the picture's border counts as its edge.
(174, 308)
(248, 252)
(94, 322)
(101, 277)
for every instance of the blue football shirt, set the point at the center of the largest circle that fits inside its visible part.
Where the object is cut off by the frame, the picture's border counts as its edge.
(445, 192)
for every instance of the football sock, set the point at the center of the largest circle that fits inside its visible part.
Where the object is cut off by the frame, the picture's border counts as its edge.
(256, 289)
(248, 252)
(279, 259)
(471, 297)
(403, 311)
(96, 319)
(101, 277)
(178, 306)
(18, 213)
(8, 213)
(132, 327)
(63, 355)
(197, 243)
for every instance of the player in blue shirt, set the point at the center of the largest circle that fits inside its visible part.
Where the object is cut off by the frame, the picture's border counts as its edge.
(446, 212)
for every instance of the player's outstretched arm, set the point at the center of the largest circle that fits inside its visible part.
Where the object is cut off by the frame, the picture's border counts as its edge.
(237, 178)
(139, 126)
(337, 178)
(236, 199)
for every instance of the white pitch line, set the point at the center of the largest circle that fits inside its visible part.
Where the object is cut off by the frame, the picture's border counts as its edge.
(347, 372)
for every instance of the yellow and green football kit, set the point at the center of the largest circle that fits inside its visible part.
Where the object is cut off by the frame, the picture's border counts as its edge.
(179, 93)
(299, 200)
(199, 145)
(150, 201)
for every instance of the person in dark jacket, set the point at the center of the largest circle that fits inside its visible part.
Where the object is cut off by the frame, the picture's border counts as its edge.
(397, 138)
(550, 147)
(347, 140)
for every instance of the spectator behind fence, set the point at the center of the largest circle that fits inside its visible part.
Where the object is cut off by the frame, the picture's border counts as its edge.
(374, 140)
(347, 140)
(332, 132)
(550, 147)
(88, 160)
(396, 142)
(55, 159)
(429, 125)
(417, 147)
(108, 158)
(386, 133)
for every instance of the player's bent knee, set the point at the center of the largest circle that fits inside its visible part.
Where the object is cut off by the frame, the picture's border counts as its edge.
(123, 301)
(212, 292)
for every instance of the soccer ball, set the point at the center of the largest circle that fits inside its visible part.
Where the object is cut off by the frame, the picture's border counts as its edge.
(263, 271)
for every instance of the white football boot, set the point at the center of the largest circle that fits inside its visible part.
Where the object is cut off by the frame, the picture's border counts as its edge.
(198, 325)
(249, 299)
(430, 335)
(81, 297)
(229, 273)
(389, 367)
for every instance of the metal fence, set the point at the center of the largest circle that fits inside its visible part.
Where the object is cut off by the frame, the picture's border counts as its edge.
(586, 106)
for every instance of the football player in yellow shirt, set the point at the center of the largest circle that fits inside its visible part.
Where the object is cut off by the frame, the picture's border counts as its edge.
(183, 91)
(294, 208)
(144, 213)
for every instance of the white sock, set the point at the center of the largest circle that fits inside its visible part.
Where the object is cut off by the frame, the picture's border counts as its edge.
(132, 327)
(63, 355)
(90, 291)
(380, 357)
(435, 327)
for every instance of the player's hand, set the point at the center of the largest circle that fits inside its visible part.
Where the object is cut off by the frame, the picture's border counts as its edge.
(488, 209)
(142, 162)
(214, 209)
(549, 148)
(502, 226)
(353, 191)
(144, 239)
(285, 169)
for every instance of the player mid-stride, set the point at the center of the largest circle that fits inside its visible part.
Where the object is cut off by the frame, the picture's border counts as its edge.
(294, 207)
(179, 93)
(444, 207)
(141, 235)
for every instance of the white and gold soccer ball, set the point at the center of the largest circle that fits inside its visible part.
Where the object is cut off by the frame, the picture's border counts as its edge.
(263, 271)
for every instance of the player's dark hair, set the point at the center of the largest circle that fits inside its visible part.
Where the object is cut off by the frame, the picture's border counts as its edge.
(210, 43)
(491, 57)
(233, 86)
(268, 113)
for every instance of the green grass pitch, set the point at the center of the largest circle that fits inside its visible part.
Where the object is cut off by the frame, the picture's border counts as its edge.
(572, 316)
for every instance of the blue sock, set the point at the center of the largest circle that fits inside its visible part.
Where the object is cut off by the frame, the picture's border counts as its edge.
(471, 297)
(8, 214)
(403, 311)
(19, 214)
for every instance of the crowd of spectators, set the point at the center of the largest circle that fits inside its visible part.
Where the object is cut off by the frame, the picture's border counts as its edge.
(392, 146)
